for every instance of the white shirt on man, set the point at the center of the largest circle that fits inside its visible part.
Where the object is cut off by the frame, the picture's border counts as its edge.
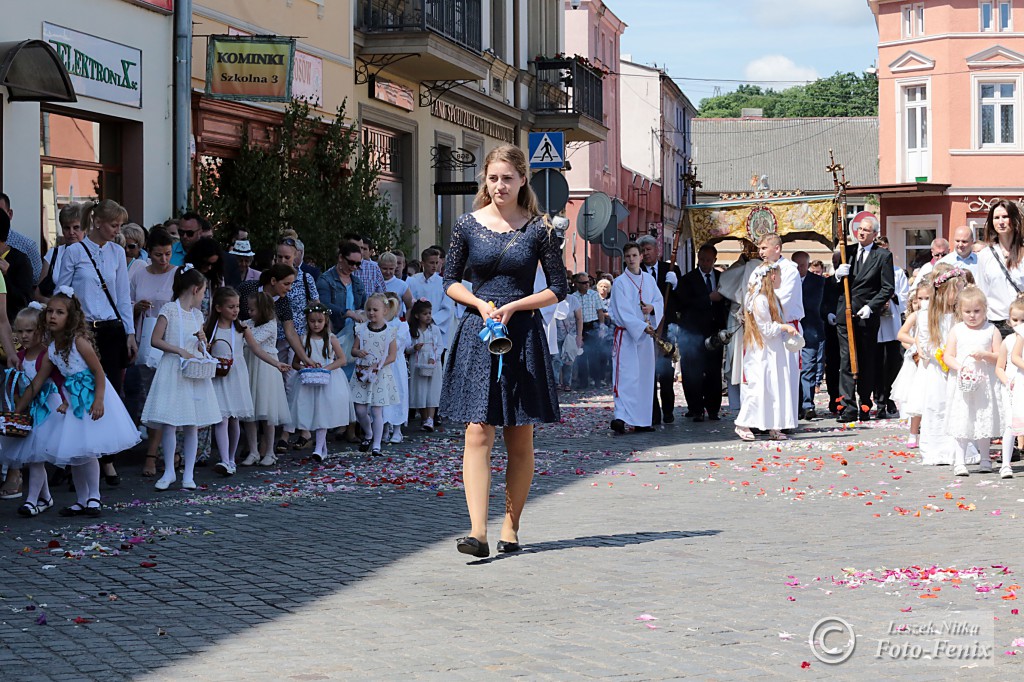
(790, 292)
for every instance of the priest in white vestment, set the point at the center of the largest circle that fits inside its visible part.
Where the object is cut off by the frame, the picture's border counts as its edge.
(768, 393)
(636, 308)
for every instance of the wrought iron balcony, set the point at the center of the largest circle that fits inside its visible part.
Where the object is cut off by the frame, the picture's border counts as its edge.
(568, 86)
(459, 21)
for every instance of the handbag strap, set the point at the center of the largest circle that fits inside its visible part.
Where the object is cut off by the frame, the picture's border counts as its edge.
(1002, 266)
(103, 282)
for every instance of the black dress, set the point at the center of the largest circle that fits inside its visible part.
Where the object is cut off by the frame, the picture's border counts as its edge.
(471, 391)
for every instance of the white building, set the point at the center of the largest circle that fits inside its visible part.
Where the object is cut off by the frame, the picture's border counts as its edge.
(113, 139)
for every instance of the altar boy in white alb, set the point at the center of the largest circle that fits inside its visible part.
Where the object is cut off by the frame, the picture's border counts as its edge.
(636, 307)
(429, 285)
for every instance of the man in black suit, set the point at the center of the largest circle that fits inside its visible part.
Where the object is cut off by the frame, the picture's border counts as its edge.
(872, 283)
(666, 275)
(701, 312)
(812, 326)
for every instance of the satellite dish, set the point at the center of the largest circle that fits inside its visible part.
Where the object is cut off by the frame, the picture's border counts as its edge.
(593, 217)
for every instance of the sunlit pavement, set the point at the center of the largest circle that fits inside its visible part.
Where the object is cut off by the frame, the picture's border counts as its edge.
(680, 553)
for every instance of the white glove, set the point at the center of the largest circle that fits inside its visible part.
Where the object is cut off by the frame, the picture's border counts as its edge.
(671, 278)
(864, 313)
(842, 270)
(832, 319)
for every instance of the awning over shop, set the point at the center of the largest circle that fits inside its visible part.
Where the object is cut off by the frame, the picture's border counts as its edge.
(32, 72)
(906, 188)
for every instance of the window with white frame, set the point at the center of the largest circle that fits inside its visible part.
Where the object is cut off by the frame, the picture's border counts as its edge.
(912, 19)
(996, 15)
(997, 114)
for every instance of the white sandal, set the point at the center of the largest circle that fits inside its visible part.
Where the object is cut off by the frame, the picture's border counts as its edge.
(744, 433)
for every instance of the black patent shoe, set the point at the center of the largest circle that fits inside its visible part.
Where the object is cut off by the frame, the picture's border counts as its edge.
(473, 547)
(618, 426)
(505, 547)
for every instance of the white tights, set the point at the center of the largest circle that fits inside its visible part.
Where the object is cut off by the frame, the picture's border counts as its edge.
(321, 442)
(363, 414)
(960, 451)
(269, 431)
(189, 446)
(38, 486)
(87, 481)
(227, 434)
(1009, 440)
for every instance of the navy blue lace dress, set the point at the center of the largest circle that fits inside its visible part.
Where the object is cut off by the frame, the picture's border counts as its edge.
(471, 391)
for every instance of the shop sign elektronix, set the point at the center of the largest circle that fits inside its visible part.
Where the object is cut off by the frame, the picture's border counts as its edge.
(254, 68)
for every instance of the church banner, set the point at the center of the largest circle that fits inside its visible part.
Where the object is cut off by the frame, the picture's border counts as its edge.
(252, 68)
(790, 217)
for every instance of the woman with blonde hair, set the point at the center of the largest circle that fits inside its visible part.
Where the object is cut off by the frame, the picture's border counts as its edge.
(501, 242)
(766, 394)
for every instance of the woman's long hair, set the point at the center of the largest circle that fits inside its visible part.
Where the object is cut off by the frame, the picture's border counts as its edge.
(751, 334)
(199, 256)
(76, 326)
(944, 299)
(1014, 257)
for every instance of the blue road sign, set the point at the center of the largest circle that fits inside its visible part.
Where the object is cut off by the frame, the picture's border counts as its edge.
(547, 150)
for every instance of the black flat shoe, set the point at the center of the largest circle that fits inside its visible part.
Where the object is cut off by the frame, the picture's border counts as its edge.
(643, 429)
(364, 445)
(92, 512)
(281, 447)
(74, 510)
(508, 547)
(302, 443)
(113, 480)
(618, 426)
(473, 547)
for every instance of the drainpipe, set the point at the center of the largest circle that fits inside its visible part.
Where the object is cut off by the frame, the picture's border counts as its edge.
(182, 103)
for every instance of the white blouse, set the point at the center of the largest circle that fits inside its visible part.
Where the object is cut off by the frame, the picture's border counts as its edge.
(992, 280)
(77, 271)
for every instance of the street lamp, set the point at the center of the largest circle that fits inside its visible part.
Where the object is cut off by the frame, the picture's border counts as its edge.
(575, 3)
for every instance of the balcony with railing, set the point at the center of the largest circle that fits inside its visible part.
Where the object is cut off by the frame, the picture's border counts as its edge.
(568, 94)
(423, 39)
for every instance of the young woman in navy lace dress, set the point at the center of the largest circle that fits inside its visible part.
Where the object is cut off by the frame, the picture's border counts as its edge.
(503, 273)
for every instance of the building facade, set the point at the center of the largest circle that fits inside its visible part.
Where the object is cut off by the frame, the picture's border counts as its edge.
(593, 31)
(951, 75)
(322, 69)
(657, 143)
(111, 138)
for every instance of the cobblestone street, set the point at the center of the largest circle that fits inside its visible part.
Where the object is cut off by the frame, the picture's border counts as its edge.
(683, 553)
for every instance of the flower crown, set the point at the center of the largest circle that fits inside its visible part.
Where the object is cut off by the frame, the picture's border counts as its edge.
(757, 278)
(946, 276)
(317, 307)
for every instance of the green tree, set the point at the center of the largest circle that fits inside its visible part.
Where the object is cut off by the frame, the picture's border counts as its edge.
(314, 176)
(842, 94)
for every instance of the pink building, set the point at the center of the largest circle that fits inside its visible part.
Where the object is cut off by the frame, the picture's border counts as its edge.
(951, 75)
(593, 31)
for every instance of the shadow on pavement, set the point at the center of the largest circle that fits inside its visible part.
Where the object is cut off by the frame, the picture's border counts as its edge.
(600, 542)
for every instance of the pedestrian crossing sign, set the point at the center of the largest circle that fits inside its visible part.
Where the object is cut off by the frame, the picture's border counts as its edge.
(547, 150)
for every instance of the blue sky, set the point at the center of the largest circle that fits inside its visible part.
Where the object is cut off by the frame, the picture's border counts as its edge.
(749, 40)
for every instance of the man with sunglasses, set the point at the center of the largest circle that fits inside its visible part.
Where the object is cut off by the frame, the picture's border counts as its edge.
(191, 228)
(369, 274)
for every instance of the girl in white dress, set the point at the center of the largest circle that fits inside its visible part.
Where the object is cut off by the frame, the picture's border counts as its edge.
(905, 393)
(395, 416)
(96, 422)
(318, 408)
(226, 336)
(936, 445)
(424, 362)
(1008, 371)
(973, 405)
(373, 383)
(766, 394)
(176, 401)
(266, 383)
(40, 446)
